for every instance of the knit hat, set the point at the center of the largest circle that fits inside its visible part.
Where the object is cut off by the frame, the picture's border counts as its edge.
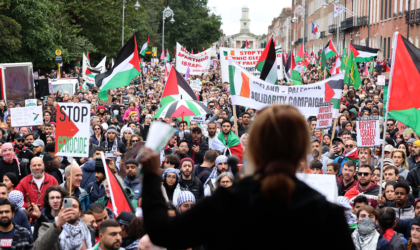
(220, 159)
(132, 112)
(124, 218)
(417, 143)
(18, 103)
(187, 159)
(111, 129)
(13, 178)
(101, 107)
(99, 166)
(183, 197)
(416, 221)
(170, 171)
(132, 161)
(16, 197)
(353, 110)
(411, 140)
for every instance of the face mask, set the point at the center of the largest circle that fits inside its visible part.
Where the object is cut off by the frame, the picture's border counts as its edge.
(116, 112)
(8, 156)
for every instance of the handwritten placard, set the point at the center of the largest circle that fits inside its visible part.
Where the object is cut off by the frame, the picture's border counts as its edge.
(323, 183)
(27, 116)
(325, 115)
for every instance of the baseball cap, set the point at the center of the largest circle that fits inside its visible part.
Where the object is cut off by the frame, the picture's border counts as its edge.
(337, 139)
(38, 142)
(47, 157)
(124, 218)
(196, 129)
(20, 136)
(389, 148)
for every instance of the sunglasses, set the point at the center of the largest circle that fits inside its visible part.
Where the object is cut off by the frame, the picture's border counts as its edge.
(21, 140)
(390, 124)
(134, 141)
(97, 129)
(363, 173)
(349, 146)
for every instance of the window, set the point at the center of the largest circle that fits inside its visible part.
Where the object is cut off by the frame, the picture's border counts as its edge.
(381, 43)
(244, 25)
(417, 41)
(384, 55)
(382, 9)
(386, 5)
(389, 11)
(389, 46)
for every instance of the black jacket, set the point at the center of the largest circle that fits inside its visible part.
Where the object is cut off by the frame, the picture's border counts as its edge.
(13, 168)
(199, 157)
(255, 222)
(121, 146)
(413, 178)
(26, 157)
(241, 129)
(196, 187)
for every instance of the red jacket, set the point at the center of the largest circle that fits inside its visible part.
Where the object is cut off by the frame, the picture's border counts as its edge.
(28, 186)
(371, 194)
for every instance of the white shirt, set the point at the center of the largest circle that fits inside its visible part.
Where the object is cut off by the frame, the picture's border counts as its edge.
(39, 181)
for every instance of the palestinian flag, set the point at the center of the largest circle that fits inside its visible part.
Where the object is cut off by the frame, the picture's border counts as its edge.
(118, 196)
(246, 45)
(336, 68)
(78, 64)
(287, 66)
(126, 68)
(403, 101)
(267, 64)
(176, 88)
(330, 50)
(144, 47)
(167, 55)
(232, 147)
(366, 71)
(293, 70)
(300, 56)
(371, 69)
(353, 155)
(363, 53)
(387, 68)
(333, 91)
(89, 73)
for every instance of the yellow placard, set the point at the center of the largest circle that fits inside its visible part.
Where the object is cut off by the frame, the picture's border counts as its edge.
(58, 52)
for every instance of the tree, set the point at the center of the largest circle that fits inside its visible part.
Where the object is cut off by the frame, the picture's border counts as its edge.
(10, 38)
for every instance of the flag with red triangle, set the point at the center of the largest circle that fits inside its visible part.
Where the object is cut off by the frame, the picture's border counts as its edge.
(366, 71)
(117, 195)
(126, 68)
(176, 88)
(387, 68)
(300, 56)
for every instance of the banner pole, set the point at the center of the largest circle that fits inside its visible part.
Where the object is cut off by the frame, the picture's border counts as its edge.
(58, 75)
(333, 132)
(235, 120)
(71, 174)
(322, 135)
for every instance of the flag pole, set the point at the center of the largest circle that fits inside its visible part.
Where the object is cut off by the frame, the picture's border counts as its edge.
(235, 120)
(333, 132)
(71, 174)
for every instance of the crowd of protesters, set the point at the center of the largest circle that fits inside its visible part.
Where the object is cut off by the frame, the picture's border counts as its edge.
(36, 182)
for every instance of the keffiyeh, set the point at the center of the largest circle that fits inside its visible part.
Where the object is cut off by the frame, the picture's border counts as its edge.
(72, 237)
(365, 237)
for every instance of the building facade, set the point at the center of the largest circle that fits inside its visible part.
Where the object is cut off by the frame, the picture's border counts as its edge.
(237, 40)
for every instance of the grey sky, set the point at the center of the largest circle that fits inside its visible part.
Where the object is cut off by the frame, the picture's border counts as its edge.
(261, 13)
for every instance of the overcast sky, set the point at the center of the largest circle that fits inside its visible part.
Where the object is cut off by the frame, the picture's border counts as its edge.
(261, 13)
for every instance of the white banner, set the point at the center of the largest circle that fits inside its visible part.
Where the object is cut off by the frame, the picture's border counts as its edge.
(325, 115)
(247, 58)
(368, 134)
(199, 119)
(199, 63)
(72, 134)
(27, 116)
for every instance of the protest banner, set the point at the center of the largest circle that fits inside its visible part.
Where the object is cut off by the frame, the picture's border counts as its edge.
(250, 91)
(279, 62)
(30, 102)
(368, 132)
(125, 100)
(198, 63)
(196, 85)
(323, 183)
(198, 119)
(73, 130)
(36, 75)
(247, 58)
(27, 116)
(381, 80)
(325, 115)
(401, 127)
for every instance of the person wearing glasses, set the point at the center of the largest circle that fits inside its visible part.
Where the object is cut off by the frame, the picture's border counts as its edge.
(350, 153)
(365, 186)
(133, 140)
(390, 127)
(23, 153)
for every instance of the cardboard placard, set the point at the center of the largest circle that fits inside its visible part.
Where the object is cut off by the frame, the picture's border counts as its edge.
(108, 103)
(324, 183)
(27, 116)
(30, 102)
(325, 115)
(72, 133)
(381, 80)
(368, 133)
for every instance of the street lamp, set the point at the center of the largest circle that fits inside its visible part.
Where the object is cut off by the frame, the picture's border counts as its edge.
(301, 12)
(136, 7)
(167, 12)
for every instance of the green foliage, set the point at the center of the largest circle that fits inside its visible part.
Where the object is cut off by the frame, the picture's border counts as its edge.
(9, 29)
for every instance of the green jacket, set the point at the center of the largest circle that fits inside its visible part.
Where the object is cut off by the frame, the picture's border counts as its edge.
(104, 199)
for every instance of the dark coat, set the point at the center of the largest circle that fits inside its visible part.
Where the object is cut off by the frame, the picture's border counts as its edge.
(413, 178)
(95, 191)
(88, 170)
(196, 187)
(199, 157)
(249, 216)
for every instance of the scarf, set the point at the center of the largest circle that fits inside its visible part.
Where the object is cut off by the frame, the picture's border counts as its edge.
(365, 237)
(18, 151)
(71, 238)
(232, 140)
(352, 155)
(114, 145)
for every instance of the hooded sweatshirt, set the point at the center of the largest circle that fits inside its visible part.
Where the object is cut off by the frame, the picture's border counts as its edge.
(403, 213)
(371, 194)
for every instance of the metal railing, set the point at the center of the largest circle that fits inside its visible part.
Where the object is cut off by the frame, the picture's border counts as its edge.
(322, 34)
(418, 16)
(412, 17)
(332, 29)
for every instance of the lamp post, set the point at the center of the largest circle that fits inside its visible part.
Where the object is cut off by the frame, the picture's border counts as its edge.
(167, 12)
(300, 11)
(342, 8)
(136, 7)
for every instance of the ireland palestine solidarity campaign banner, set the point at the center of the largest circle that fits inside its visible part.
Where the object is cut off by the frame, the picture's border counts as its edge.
(72, 133)
(198, 63)
(250, 91)
(247, 58)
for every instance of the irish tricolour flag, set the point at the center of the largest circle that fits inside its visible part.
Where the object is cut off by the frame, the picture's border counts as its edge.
(126, 68)
(330, 50)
